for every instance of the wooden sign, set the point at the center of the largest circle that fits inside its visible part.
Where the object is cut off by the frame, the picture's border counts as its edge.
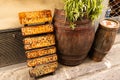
(35, 17)
(39, 42)
(32, 30)
(40, 52)
(42, 60)
(43, 69)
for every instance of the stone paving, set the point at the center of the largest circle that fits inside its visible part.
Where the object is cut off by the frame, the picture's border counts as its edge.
(108, 69)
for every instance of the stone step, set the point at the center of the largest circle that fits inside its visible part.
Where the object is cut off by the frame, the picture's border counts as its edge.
(109, 74)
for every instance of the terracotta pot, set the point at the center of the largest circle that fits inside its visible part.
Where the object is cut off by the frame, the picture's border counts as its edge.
(73, 45)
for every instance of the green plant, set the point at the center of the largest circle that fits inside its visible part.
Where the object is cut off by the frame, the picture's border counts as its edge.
(80, 9)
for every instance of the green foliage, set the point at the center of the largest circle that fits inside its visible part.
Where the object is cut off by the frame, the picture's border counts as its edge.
(79, 9)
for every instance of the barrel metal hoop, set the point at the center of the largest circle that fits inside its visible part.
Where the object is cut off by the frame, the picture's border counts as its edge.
(100, 51)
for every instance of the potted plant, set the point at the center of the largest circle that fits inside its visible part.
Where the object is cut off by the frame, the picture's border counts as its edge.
(74, 29)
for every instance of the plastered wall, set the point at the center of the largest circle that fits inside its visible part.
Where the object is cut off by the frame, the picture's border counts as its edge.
(9, 10)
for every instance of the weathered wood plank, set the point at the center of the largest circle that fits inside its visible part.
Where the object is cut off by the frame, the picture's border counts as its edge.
(32, 30)
(38, 42)
(43, 69)
(42, 60)
(40, 52)
(35, 17)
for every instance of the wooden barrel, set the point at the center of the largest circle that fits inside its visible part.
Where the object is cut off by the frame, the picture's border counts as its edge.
(73, 45)
(104, 39)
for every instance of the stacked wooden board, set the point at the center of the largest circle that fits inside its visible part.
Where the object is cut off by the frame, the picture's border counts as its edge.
(39, 42)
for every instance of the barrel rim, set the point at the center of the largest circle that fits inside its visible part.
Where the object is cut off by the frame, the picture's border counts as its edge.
(108, 28)
(65, 24)
(68, 28)
(65, 21)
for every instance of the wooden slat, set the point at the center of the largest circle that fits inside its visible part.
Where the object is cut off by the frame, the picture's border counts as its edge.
(40, 52)
(38, 42)
(42, 60)
(43, 69)
(31, 30)
(35, 17)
